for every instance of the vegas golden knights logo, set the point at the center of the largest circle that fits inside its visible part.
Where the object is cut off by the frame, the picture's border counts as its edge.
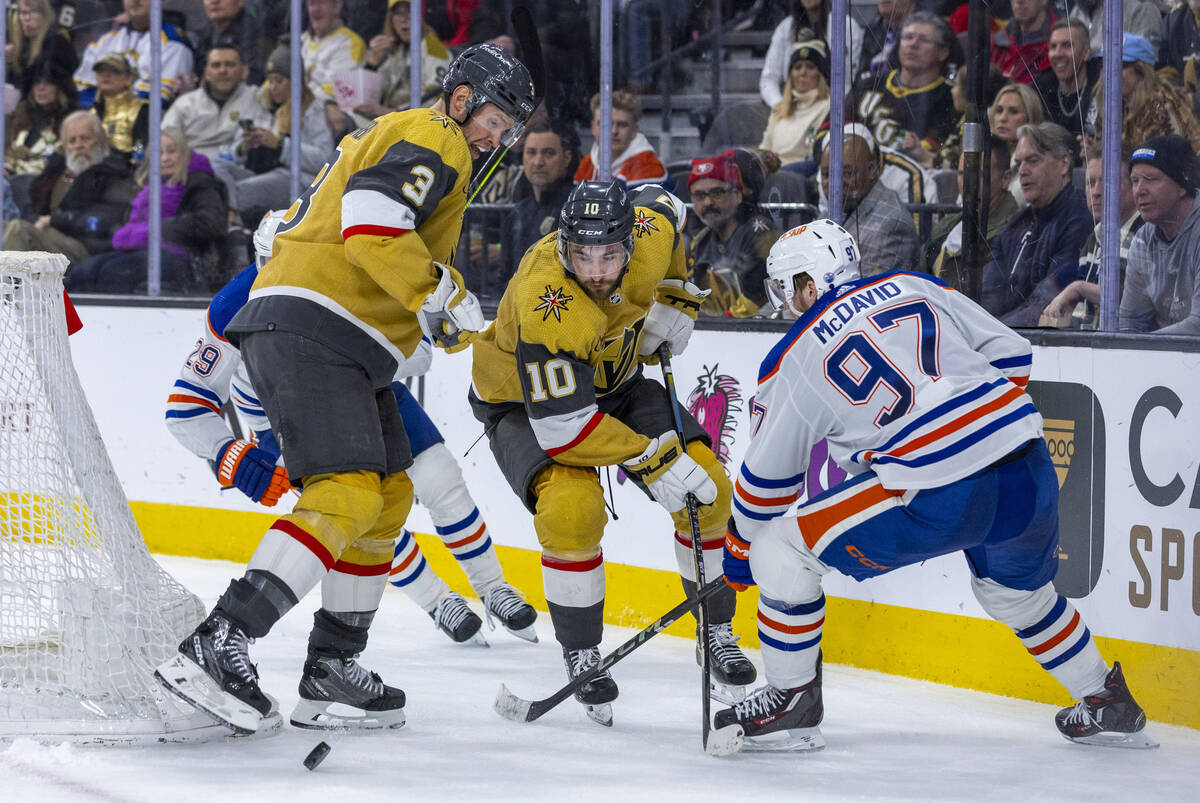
(1073, 429)
(618, 359)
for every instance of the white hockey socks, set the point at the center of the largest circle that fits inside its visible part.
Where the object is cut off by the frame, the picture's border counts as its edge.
(439, 486)
(411, 574)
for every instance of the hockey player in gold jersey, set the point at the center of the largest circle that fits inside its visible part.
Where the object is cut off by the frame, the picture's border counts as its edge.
(360, 265)
(558, 384)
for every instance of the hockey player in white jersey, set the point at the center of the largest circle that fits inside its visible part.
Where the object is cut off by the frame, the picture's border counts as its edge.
(920, 395)
(213, 374)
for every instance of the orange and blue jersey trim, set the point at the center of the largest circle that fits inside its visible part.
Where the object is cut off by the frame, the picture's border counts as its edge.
(203, 400)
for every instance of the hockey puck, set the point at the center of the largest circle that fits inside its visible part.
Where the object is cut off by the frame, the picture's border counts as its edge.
(316, 756)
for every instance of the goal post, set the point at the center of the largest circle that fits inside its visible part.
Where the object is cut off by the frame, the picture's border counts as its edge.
(85, 612)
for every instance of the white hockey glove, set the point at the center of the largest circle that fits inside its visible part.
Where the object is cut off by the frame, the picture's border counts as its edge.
(450, 311)
(672, 316)
(418, 363)
(670, 474)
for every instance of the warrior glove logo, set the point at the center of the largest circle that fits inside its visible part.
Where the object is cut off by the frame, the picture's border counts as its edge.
(553, 302)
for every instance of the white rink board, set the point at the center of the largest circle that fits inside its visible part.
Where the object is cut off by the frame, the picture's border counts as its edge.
(127, 359)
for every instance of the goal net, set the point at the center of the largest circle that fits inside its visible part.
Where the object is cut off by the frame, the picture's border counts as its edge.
(85, 612)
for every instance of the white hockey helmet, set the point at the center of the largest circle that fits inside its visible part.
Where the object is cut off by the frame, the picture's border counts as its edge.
(822, 249)
(264, 235)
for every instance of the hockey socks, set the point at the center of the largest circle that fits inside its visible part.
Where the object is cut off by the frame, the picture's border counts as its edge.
(575, 597)
(790, 639)
(411, 574)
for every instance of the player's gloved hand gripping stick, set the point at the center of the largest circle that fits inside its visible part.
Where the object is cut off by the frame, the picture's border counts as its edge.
(450, 312)
(253, 471)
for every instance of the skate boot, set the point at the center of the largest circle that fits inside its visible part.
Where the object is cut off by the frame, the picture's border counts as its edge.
(330, 682)
(778, 720)
(731, 670)
(598, 692)
(212, 671)
(1111, 718)
(456, 620)
(515, 614)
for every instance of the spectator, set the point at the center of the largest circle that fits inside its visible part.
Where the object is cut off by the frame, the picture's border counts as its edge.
(1021, 50)
(1162, 285)
(1077, 306)
(1141, 17)
(194, 217)
(811, 16)
(268, 149)
(462, 22)
(912, 111)
(328, 47)
(644, 18)
(1067, 86)
(633, 160)
(1151, 106)
(551, 149)
(32, 132)
(729, 254)
(38, 46)
(126, 117)
(947, 156)
(1179, 54)
(227, 23)
(211, 116)
(795, 120)
(80, 198)
(388, 54)
(944, 252)
(881, 39)
(874, 213)
(1015, 105)
(1037, 254)
(132, 39)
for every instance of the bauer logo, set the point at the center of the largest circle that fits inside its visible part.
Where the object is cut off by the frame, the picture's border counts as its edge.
(1074, 433)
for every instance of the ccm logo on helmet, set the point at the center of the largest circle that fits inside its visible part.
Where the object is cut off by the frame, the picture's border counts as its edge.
(591, 232)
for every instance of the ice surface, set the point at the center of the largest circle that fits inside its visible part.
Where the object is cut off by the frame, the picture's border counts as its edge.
(887, 737)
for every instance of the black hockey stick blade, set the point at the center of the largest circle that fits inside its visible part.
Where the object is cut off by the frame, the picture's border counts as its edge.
(531, 49)
(510, 706)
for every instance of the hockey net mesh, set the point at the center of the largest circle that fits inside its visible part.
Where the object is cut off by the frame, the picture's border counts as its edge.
(85, 612)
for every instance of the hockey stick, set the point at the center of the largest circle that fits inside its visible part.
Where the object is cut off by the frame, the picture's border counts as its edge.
(510, 706)
(531, 49)
(664, 359)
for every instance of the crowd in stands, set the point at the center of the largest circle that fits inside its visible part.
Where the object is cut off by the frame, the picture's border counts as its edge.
(75, 164)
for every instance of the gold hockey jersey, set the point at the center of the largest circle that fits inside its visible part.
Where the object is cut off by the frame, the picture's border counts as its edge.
(352, 260)
(556, 350)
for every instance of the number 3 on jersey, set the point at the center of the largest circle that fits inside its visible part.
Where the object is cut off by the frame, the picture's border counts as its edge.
(857, 367)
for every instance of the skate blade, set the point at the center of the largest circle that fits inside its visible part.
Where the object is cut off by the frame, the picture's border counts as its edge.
(726, 693)
(1138, 740)
(524, 633)
(510, 706)
(796, 740)
(479, 640)
(600, 714)
(725, 741)
(184, 678)
(270, 725)
(314, 715)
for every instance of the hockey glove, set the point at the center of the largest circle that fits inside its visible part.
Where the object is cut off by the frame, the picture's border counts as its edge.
(670, 474)
(418, 362)
(736, 561)
(672, 316)
(242, 465)
(450, 312)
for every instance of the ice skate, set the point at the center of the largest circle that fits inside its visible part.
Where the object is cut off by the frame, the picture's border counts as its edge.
(598, 692)
(731, 670)
(516, 615)
(456, 620)
(213, 672)
(338, 693)
(778, 720)
(1111, 718)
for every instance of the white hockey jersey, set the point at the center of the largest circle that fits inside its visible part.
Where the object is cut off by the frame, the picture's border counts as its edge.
(903, 376)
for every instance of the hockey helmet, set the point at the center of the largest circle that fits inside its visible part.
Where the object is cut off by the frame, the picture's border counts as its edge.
(822, 249)
(264, 235)
(595, 213)
(495, 76)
